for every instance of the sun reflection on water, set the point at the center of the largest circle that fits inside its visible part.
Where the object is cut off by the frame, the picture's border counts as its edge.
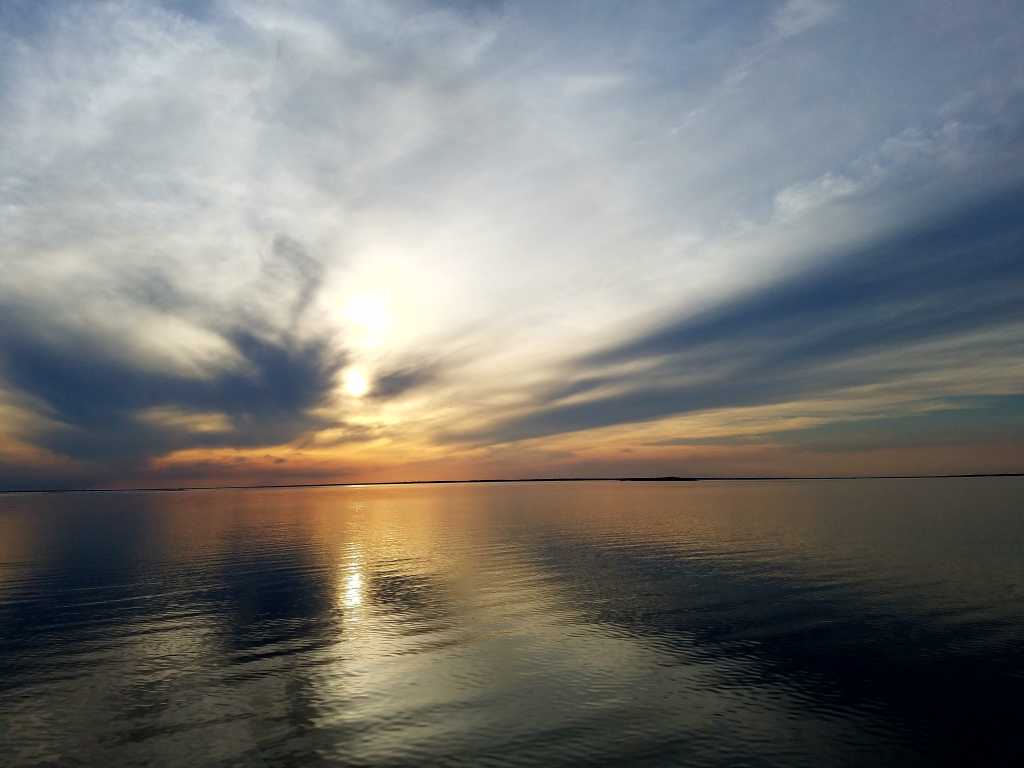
(353, 590)
(352, 583)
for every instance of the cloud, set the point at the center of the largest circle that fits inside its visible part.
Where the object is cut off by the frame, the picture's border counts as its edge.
(797, 199)
(819, 331)
(798, 16)
(515, 183)
(399, 381)
(104, 406)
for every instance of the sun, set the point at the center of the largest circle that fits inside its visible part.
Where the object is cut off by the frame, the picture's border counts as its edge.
(356, 382)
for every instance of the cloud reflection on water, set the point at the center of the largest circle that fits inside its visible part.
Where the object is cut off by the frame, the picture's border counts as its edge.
(554, 624)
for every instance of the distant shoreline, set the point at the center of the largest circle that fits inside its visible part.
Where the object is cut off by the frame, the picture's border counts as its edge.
(663, 479)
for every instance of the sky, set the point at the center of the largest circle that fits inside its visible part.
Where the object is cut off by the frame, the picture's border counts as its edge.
(363, 240)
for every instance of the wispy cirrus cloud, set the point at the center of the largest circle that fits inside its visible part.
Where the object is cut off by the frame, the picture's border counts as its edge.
(854, 321)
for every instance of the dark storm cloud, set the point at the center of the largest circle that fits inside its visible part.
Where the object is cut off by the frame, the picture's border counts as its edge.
(807, 334)
(100, 400)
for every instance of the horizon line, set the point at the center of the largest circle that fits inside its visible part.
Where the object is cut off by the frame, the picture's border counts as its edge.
(663, 478)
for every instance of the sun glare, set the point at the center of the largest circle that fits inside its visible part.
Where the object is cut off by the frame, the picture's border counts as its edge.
(370, 316)
(353, 589)
(356, 382)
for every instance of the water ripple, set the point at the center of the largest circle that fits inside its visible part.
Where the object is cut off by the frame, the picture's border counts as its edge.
(516, 625)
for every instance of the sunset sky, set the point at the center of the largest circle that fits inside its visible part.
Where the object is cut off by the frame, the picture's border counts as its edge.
(282, 242)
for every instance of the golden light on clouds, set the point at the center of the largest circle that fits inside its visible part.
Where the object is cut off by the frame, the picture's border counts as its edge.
(582, 265)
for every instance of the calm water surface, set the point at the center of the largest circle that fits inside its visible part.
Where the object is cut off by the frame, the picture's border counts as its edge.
(714, 623)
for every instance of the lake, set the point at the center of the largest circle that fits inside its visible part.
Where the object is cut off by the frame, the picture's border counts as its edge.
(811, 623)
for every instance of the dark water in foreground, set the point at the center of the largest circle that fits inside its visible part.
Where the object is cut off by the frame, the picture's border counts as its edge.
(746, 623)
